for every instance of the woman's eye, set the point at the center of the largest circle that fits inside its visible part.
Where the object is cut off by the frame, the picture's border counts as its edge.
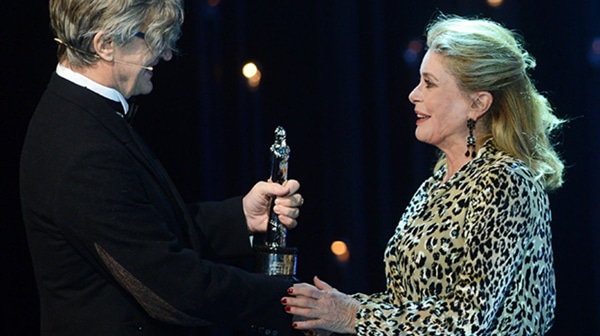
(427, 83)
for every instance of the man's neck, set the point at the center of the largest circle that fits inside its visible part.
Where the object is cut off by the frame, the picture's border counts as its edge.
(91, 78)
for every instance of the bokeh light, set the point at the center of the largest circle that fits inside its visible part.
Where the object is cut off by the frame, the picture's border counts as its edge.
(213, 3)
(414, 48)
(340, 250)
(249, 70)
(339, 247)
(594, 53)
(252, 74)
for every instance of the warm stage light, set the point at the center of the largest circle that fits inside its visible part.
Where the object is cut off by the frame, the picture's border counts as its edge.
(339, 248)
(254, 81)
(249, 70)
(495, 3)
(252, 74)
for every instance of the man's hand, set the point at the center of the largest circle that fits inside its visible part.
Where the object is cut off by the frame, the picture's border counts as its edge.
(257, 204)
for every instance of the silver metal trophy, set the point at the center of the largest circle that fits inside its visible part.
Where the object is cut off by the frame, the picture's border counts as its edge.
(274, 257)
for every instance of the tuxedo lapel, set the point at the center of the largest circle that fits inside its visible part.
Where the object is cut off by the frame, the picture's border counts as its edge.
(157, 168)
(149, 159)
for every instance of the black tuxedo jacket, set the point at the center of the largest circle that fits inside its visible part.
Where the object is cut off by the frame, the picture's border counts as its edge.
(115, 250)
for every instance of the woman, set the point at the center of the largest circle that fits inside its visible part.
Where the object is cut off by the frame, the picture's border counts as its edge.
(472, 252)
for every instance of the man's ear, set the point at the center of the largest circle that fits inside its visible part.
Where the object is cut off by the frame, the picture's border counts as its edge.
(482, 101)
(103, 46)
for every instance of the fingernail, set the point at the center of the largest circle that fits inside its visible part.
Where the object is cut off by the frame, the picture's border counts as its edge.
(284, 300)
(295, 325)
(290, 290)
(288, 308)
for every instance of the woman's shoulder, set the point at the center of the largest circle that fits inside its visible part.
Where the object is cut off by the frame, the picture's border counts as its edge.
(498, 169)
(496, 161)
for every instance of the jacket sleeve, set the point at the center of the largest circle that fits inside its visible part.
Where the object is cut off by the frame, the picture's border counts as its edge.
(223, 228)
(119, 219)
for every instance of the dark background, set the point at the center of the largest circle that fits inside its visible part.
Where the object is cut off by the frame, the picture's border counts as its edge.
(336, 75)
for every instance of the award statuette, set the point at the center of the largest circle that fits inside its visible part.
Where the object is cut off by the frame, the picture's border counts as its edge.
(274, 257)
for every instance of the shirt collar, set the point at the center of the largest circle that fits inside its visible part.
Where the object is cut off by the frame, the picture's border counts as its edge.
(102, 90)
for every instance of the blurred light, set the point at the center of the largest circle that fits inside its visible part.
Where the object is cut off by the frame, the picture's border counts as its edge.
(594, 53)
(249, 70)
(252, 74)
(340, 250)
(414, 48)
(495, 3)
(596, 46)
(339, 247)
(254, 81)
(213, 3)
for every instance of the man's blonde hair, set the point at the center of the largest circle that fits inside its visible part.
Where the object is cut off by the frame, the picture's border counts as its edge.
(76, 22)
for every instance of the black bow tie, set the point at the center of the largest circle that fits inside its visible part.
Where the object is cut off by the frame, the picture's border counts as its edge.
(118, 107)
(131, 113)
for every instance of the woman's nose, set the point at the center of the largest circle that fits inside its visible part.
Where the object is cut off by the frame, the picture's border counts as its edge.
(413, 95)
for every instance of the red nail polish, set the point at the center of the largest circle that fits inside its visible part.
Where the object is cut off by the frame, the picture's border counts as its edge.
(290, 290)
(288, 308)
(295, 325)
(284, 300)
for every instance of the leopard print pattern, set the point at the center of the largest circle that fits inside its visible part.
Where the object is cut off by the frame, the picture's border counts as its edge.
(471, 256)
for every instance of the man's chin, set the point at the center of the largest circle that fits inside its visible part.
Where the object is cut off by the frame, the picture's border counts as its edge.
(143, 91)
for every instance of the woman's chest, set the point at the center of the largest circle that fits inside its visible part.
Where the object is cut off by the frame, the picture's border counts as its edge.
(428, 248)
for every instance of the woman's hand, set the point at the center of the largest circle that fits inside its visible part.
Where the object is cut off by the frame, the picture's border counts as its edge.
(321, 307)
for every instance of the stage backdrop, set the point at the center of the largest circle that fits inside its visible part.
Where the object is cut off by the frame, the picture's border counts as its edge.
(336, 75)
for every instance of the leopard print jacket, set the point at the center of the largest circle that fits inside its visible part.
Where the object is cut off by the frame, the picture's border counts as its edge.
(471, 256)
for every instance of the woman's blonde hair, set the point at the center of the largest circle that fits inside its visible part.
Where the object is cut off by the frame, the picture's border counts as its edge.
(76, 22)
(485, 56)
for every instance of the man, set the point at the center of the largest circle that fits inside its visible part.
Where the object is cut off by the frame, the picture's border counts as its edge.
(114, 248)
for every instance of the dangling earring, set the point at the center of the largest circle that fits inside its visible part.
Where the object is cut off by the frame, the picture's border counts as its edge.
(471, 139)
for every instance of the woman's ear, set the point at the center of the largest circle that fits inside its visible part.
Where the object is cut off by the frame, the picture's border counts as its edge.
(481, 103)
(103, 46)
